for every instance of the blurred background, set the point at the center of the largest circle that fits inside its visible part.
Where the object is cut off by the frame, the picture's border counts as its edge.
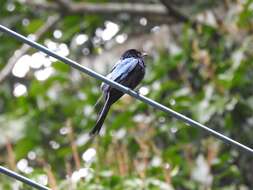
(199, 64)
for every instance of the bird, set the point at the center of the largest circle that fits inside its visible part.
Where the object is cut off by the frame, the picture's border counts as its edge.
(128, 71)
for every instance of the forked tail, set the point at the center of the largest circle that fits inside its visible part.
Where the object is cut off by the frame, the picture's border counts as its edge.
(101, 118)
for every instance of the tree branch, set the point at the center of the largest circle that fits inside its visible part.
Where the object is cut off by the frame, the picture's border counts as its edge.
(102, 8)
(171, 11)
(25, 48)
(63, 3)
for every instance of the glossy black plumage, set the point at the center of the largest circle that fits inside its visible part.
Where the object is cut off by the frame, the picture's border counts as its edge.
(128, 71)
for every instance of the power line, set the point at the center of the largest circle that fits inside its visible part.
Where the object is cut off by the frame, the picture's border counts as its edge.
(126, 90)
(22, 178)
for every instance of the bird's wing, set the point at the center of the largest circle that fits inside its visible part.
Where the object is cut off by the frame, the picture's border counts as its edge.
(122, 69)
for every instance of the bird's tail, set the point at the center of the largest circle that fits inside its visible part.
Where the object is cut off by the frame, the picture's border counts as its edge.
(101, 118)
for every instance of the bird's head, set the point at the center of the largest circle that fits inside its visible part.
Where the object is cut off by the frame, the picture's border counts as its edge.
(133, 53)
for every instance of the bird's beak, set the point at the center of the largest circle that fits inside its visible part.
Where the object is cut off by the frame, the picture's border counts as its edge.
(144, 54)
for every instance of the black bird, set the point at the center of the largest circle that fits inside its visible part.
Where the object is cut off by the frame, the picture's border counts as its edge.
(128, 71)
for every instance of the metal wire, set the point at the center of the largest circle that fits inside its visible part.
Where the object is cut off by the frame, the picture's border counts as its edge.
(22, 178)
(127, 90)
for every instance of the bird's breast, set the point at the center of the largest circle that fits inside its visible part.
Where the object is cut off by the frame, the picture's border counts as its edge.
(135, 76)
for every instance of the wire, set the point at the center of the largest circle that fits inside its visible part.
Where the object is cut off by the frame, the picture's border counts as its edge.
(126, 90)
(22, 178)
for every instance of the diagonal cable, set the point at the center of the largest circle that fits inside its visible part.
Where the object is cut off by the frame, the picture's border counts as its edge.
(22, 178)
(128, 91)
